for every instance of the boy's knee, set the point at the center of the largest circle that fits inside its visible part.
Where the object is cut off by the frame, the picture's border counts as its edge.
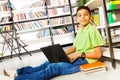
(53, 65)
(55, 68)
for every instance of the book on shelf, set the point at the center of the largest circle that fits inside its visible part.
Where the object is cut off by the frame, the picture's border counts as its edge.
(93, 67)
(3, 8)
(101, 15)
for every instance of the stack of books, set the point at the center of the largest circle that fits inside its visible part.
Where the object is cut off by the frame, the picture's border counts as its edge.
(93, 67)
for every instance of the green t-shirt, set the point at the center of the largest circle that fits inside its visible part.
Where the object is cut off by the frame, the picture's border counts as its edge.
(87, 39)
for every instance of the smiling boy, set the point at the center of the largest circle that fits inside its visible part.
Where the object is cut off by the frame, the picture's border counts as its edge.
(86, 49)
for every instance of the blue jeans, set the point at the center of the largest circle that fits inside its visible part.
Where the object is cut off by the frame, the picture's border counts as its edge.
(49, 70)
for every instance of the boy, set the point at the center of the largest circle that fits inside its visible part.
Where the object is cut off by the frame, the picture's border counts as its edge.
(86, 49)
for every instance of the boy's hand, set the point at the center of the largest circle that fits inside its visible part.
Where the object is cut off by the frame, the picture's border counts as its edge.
(73, 56)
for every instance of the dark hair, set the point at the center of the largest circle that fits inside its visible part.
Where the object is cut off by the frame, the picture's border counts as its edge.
(84, 7)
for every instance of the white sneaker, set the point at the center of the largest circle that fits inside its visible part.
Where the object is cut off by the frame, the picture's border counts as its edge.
(10, 73)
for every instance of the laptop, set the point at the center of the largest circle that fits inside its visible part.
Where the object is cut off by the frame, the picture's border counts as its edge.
(55, 53)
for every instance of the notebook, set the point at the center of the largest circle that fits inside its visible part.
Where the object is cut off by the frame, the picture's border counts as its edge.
(55, 53)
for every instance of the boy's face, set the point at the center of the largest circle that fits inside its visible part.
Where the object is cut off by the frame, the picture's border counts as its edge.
(83, 17)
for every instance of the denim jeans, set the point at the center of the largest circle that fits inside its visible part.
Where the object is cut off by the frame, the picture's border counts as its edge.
(49, 70)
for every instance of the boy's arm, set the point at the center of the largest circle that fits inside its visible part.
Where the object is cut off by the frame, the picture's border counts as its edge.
(70, 50)
(97, 53)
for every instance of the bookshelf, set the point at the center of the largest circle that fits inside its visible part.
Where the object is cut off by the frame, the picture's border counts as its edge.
(58, 18)
(111, 29)
(11, 42)
(33, 25)
(5, 24)
(111, 26)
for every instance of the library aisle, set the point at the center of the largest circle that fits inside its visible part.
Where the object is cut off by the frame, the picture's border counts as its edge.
(38, 58)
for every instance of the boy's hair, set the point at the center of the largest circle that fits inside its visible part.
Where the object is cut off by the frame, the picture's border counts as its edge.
(84, 7)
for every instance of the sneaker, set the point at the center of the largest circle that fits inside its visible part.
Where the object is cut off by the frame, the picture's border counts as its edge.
(10, 73)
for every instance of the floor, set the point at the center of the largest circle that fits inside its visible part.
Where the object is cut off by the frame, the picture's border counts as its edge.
(110, 74)
(36, 59)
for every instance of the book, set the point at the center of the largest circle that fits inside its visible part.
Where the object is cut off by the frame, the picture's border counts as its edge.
(101, 16)
(93, 67)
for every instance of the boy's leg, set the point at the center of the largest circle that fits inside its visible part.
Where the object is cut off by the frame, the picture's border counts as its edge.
(73, 67)
(80, 61)
(50, 71)
(29, 69)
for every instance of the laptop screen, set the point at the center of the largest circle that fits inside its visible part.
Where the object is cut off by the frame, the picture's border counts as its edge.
(55, 53)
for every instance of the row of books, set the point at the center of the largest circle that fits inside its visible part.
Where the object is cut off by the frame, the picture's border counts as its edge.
(55, 31)
(60, 30)
(3, 8)
(43, 33)
(28, 15)
(4, 19)
(62, 20)
(56, 2)
(27, 26)
(98, 15)
(41, 13)
(59, 11)
(59, 2)
(37, 3)
(36, 25)
(42, 23)
(5, 28)
(17, 5)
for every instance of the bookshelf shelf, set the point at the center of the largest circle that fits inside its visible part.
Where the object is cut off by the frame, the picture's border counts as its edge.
(39, 42)
(29, 20)
(57, 6)
(111, 26)
(115, 10)
(6, 23)
(115, 25)
(116, 54)
(64, 39)
(5, 13)
(62, 15)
